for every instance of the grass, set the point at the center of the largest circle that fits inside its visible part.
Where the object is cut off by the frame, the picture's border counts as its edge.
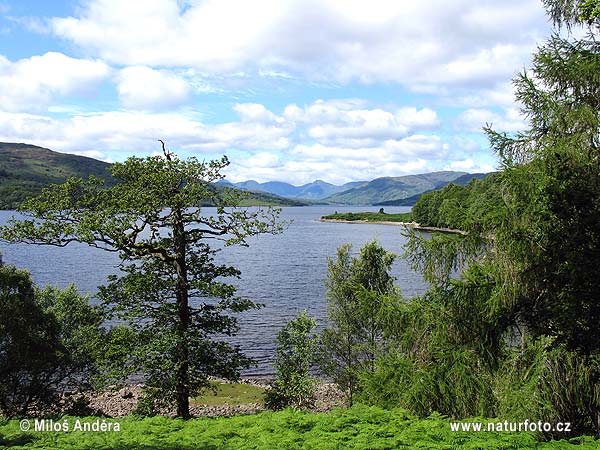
(370, 217)
(230, 394)
(359, 427)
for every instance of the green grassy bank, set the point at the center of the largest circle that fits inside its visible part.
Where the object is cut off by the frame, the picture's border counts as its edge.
(360, 427)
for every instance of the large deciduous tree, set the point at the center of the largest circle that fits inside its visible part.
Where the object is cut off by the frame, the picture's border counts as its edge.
(171, 291)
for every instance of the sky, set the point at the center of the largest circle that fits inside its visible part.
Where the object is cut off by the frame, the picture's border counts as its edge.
(289, 90)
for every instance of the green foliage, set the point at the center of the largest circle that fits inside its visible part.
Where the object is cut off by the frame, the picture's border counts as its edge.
(357, 428)
(529, 261)
(172, 293)
(296, 345)
(476, 206)
(549, 244)
(361, 300)
(31, 354)
(550, 383)
(80, 327)
(571, 12)
(445, 348)
(49, 341)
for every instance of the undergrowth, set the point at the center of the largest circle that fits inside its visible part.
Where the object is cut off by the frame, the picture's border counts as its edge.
(360, 427)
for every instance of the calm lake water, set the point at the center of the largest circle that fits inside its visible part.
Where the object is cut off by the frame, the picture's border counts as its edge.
(285, 272)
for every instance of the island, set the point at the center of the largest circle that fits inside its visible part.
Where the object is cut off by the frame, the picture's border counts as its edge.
(382, 218)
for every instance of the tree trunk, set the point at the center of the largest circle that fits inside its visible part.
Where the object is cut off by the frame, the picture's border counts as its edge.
(182, 350)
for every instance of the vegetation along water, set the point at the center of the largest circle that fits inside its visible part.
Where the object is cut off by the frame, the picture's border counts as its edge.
(504, 331)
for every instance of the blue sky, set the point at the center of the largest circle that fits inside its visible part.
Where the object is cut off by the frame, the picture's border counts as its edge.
(290, 90)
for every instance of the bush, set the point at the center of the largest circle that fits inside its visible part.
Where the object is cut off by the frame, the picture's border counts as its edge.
(30, 347)
(552, 385)
(294, 385)
(48, 343)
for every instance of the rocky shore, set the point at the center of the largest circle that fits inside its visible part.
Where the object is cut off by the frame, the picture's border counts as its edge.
(121, 401)
(414, 225)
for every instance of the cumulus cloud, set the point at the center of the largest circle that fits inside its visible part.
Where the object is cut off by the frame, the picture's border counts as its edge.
(351, 124)
(138, 131)
(30, 84)
(142, 87)
(255, 112)
(462, 43)
(359, 142)
(468, 165)
(473, 120)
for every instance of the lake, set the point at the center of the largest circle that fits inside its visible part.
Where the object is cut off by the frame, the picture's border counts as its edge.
(285, 272)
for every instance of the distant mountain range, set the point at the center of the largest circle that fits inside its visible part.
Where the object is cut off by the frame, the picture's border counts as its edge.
(403, 190)
(317, 190)
(393, 188)
(26, 169)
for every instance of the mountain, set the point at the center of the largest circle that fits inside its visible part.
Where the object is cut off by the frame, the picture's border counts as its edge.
(463, 180)
(26, 169)
(393, 188)
(317, 190)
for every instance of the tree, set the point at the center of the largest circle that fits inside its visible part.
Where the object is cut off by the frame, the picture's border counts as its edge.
(360, 296)
(551, 237)
(549, 244)
(47, 342)
(81, 332)
(296, 345)
(172, 292)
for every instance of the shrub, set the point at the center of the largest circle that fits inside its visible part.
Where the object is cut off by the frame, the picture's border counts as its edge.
(294, 385)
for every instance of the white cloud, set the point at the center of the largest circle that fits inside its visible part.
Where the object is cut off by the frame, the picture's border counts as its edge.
(468, 165)
(466, 144)
(360, 143)
(142, 87)
(255, 112)
(30, 84)
(473, 120)
(137, 131)
(349, 123)
(461, 43)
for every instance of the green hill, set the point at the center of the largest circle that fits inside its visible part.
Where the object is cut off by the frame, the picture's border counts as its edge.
(26, 169)
(393, 188)
(412, 200)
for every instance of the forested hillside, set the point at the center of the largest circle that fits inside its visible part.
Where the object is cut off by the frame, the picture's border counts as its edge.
(412, 200)
(477, 205)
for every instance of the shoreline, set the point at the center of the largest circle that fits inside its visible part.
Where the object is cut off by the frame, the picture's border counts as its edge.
(121, 400)
(412, 225)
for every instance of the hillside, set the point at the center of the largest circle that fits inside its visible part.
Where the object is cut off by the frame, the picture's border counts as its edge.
(26, 169)
(393, 188)
(475, 205)
(412, 200)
